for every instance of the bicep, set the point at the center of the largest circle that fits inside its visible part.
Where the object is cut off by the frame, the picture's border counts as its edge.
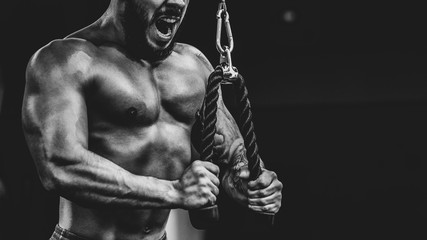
(54, 114)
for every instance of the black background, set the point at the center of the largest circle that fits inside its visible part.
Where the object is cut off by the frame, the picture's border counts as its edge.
(339, 98)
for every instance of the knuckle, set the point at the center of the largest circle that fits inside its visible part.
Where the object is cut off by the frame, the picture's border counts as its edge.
(216, 191)
(197, 163)
(270, 208)
(264, 208)
(263, 202)
(262, 193)
(274, 175)
(257, 193)
(200, 173)
(265, 182)
(279, 185)
(217, 183)
(214, 185)
(216, 168)
(203, 185)
(205, 192)
(217, 180)
(195, 168)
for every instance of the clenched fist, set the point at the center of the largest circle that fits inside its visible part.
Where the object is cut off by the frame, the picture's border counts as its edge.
(198, 186)
(263, 194)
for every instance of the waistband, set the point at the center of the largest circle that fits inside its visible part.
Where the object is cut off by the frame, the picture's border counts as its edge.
(63, 234)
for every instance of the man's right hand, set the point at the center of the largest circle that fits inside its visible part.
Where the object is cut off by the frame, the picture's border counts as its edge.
(198, 186)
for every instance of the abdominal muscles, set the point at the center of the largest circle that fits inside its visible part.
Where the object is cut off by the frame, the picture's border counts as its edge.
(105, 223)
(162, 150)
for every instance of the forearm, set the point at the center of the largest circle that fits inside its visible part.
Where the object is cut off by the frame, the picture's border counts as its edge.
(93, 181)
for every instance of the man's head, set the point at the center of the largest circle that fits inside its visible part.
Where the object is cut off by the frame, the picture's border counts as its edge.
(150, 25)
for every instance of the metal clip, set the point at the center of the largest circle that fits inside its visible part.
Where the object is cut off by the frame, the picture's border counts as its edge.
(222, 15)
(228, 69)
(224, 50)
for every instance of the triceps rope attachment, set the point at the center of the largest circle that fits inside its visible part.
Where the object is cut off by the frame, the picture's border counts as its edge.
(206, 119)
(226, 73)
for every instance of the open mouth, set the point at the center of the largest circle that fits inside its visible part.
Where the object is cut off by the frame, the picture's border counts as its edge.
(165, 26)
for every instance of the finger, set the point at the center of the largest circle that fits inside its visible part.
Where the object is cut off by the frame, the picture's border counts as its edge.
(274, 198)
(243, 173)
(261, 193)
(275, 186)
(207, 170)
(208, 188)
(204, 173)
(218, 139)
(213, 178)
(263, 180)
(271, 208)
(211, 167)
(208, 199)
(211, 200)
(213, 188)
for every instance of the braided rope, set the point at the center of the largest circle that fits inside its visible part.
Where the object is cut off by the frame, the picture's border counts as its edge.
(246, 126)
(247, 129)
(209, 114)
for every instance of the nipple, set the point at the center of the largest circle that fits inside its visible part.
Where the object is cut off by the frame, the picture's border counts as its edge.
(147, 229)
(132, 112)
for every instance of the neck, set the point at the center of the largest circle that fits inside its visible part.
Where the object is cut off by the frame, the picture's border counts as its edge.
(110, 21)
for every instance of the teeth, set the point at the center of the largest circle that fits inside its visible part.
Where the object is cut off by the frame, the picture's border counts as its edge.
(165, 24)
(169, 20)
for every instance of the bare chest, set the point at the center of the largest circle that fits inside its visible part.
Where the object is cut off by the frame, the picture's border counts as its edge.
(134, 94)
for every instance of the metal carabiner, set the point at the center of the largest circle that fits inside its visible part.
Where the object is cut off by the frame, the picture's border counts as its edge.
(229, 71)
(225, 51)
(222, 15)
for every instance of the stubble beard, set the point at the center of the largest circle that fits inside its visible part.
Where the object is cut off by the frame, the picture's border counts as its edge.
(135, 25)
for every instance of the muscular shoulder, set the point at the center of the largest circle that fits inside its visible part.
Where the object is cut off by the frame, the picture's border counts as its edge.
(59, 59)
(191, 51)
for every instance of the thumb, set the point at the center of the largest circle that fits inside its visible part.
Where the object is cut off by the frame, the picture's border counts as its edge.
(243, 173)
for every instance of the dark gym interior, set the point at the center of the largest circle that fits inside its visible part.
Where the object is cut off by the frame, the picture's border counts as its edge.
(339, 97)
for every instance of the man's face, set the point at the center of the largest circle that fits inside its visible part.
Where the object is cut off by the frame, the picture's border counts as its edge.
(154, 22)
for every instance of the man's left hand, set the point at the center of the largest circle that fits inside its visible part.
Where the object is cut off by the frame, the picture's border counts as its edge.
(263, 194)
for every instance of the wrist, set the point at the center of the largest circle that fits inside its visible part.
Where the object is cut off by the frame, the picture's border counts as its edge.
(174, 194)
